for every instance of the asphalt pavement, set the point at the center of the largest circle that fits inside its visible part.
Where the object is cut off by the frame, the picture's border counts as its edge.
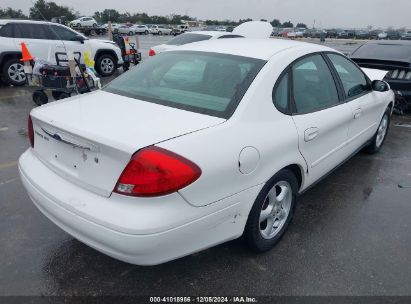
(351, 234)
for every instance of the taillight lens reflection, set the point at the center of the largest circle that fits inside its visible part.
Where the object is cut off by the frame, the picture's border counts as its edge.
(30, 131)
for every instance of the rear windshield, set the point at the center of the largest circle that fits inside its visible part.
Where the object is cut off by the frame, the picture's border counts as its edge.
(384, 51)
(202, 82)
(188, 38)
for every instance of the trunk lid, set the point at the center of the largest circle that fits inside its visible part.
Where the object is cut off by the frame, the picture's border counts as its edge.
(90, 139)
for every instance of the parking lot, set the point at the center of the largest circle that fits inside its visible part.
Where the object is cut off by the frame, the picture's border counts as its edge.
(351, 234)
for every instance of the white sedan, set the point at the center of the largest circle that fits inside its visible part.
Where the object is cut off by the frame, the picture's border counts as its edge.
(190, 37)
(201, 145)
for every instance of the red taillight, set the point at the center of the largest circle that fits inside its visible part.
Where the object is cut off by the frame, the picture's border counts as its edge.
(155, 171)
(30, 131)
(151, 52)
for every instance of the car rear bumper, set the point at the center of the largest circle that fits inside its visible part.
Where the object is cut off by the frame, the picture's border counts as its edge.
(133, 232)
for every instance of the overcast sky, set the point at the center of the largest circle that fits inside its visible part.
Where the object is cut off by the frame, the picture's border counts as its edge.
(327, 13)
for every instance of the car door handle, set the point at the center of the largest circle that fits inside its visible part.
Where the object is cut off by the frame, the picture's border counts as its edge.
(357, 113)
(311, 133)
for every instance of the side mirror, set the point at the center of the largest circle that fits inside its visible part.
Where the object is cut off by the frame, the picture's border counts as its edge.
(78, 38)
(380, 86)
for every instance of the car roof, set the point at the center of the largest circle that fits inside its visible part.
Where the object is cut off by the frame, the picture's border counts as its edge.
(369, 51)
(247, 47)
(210, 33)
(390, 42)
(5, 21)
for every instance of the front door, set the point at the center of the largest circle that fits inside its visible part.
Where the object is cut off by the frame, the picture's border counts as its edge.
(365, 104)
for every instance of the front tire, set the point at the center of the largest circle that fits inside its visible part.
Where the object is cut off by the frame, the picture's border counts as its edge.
(106, 65)
(13, 72)
(381, 134)
(272, 212)
(146, 33)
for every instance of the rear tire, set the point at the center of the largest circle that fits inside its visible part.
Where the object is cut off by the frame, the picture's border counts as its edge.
(40, 98)
(130, 33)
(146, 33)
(272, 212)
(13, 72)
(381, 134)
(59, 95)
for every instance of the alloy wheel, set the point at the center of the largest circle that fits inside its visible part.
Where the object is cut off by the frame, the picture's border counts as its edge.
(275, 209)
(107, 65)
(16, 72)
(382, 131)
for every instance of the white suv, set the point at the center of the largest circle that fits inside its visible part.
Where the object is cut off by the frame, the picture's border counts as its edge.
(44, 40)
(84, 21)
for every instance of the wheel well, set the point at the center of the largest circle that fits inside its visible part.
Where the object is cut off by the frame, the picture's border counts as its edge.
(390, 105)
(9, 56)
(297, 171)
(103, 52)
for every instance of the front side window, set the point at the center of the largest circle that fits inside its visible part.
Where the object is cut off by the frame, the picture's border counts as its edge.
(313, 85)
(62, 33)
(353, 80)
(201, 82)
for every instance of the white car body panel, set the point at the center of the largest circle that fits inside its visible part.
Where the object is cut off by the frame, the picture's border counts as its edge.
(135, 237)
(375, 74)
(138, 125)
(215, 207)
(254, 29)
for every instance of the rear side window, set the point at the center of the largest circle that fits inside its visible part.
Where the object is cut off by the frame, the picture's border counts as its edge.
(280, 94)
(313, 85)
(188, 38)
(201, 82)
(352, 78)
(32, 31)
(7, 30)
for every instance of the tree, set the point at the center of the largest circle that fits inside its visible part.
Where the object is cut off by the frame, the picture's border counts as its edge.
(107, 15)
(288, 24)
(244, 20)
(42, 10)
(276, 23)
(301, 25)
(9, 13)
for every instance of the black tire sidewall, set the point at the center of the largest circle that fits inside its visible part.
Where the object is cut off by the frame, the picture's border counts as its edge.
(252, 233)
(98, 65)
(5, 73)
(40, 98)
(372, 147)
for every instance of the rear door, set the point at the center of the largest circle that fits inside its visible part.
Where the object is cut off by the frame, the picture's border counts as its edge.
(320, 117)
(37, 38)
(364, 103)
